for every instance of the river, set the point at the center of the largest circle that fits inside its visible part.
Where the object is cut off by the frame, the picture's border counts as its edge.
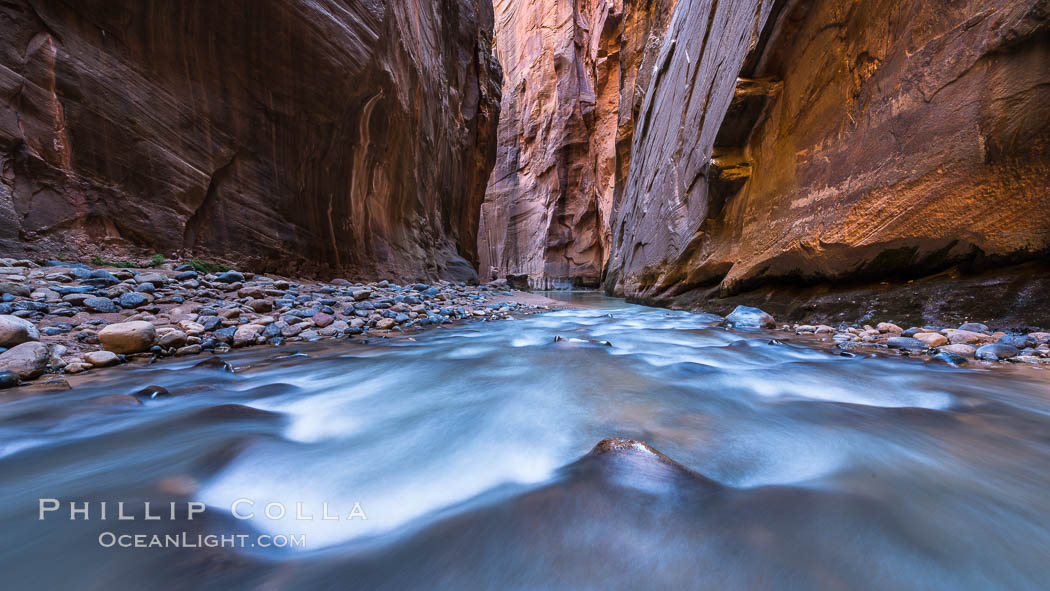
(457, 459)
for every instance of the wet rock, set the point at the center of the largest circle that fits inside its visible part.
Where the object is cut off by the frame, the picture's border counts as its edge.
(101, 305)
(27, 360)
(886, 327)
(932, 339)
(8, 379)
(974, 327)
(128, 337)
(115, 400)
(361, 294)
(905, 343)
(996, 352)
(46, 386)
(15, 331)
(101, 358)
(214, 363)
(227, 412)
(385, 323)
(630, 460)
(153, 392)
(748, 317)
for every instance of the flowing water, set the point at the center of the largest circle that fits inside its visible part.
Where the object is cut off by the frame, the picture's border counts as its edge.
(466, 449)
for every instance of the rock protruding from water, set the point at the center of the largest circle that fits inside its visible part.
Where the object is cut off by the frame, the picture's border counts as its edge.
(748, 317)
(632, 463)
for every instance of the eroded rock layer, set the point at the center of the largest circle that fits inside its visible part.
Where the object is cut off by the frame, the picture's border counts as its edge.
(283, 135)
(547, 209)
(829, 141)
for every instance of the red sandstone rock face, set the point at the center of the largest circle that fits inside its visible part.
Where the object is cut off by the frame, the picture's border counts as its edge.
(286, 135)
(863, 140)
(549, 198)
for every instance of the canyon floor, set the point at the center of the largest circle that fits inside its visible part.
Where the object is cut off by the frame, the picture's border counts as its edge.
(59, 318)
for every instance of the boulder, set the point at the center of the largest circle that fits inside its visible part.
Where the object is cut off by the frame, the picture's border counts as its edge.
(246, 334)
(747, 317)
(8, 379)
(960, 350)
(261, 306)
(154, 278)
(15, 331)
(996, 352)
(27, 360)
(966, 337)
(128, 337)
(174, 338)
(322, 320)
(132, 300)
(101, 305)
(229, 277)
(932, 339)
(885, 327)
(101, 358)
(950, 358)
(906, 343)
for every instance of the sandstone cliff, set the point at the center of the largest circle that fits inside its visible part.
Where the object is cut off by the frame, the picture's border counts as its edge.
(830, 141)
(549, 197)
(281, 134)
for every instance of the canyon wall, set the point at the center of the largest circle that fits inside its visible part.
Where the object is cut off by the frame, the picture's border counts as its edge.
(546, 212)
(832, 141)
(284, 135)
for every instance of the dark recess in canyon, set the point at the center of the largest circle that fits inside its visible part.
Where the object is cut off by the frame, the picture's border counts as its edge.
(280, 135)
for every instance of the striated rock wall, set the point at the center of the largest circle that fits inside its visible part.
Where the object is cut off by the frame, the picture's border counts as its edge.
(550, 194)
(863, 140)
(287, 135)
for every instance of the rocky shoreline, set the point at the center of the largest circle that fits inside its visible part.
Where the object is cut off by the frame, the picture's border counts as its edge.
(66, 318)
(960, 346)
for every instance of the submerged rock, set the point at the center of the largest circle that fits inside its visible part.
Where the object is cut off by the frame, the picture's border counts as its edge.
(950, 358)
(153, 392)
(906, 343)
